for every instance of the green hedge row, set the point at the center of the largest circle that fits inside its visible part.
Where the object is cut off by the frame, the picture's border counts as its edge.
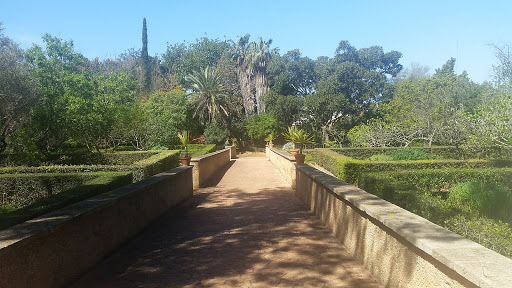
(160, 161)
(109, 158)
(349, 169)
(18, 190)
(442, 151)
(196, 148)
(387, 183)
(76, 158)
(428, 194)
(64, 169)
(101, 183)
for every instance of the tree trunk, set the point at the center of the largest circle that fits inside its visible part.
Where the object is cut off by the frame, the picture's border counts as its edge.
(325, 135)
(261, 84)
(244, 79)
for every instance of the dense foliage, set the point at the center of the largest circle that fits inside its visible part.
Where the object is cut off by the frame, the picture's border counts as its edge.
(35, 206)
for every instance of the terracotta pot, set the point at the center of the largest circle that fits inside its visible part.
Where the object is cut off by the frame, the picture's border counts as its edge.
(299, 158)
(185, 161)
(294, 152)
(271, 145)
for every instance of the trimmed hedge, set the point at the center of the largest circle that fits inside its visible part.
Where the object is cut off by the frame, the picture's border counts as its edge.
(78, 158)
(109, 158)
(196, 148)
(427, 193)
(392, 185)
(160, 161)
(349, 169)
(163, 161)
(64, 169)
(442, 151)
(102, 182)
(18, 190)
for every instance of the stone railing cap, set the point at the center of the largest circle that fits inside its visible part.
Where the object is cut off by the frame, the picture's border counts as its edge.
(480, 265)
(198, 158)
(283, 154)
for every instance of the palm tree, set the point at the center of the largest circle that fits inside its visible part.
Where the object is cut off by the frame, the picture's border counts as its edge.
(209, 97)
(240, 54)
(258, 57)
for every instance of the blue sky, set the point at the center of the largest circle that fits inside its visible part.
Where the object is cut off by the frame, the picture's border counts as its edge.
(426, 32)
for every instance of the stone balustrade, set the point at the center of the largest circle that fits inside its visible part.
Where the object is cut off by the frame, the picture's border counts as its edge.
(56, 248)
(399, 248)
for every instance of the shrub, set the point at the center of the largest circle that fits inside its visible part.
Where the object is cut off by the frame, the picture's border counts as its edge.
(260, 126)
(380, 157)
(161, 162)
(349, 169)
(103, 182)
(485, 198)
(94, 158)
(18, 190)
(445, 152)
(80, 158)
(215, 134)
(493, 234)
(410, 154)
(435, 180)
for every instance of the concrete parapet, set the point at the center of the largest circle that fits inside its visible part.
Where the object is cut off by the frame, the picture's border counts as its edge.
(284, 162)
(206, 165)
(399, 248)
(232, 152)
(56, 248)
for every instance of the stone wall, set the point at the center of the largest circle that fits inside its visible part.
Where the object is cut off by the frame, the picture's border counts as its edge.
(284, 162)
(399, 248)
(56, 248)
(206, 165)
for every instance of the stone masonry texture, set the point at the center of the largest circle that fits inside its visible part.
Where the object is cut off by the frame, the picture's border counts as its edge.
(246, 230)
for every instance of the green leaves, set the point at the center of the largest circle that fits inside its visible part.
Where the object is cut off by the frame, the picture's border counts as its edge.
(260, 126)
(209, 97)
(298, 136)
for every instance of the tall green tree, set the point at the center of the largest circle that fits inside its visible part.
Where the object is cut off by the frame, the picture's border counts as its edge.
(180, 60)
(59, 72)
(93, 115)
(258, 57)
(434, 109)
(357, 80)
(146, 64)
(17, 90)
(167, 114)
(292, 74)
(209, 98)
(285, 109)
(240, 53)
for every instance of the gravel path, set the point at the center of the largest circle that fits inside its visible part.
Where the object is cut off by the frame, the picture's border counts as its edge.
(247, 231)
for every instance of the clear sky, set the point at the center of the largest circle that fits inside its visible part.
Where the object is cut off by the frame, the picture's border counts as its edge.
(426, 32)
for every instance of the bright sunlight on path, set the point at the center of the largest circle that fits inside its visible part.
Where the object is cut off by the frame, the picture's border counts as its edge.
(247, 231)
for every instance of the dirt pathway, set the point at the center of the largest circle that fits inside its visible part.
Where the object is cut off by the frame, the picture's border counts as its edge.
(247, 231)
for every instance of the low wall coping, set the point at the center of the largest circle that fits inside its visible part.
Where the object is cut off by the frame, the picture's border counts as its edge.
(199, 158)
(45, 223)
(481, 266)
(283, 154)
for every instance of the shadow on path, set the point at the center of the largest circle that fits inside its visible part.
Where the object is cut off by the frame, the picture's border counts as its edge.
(236, 234)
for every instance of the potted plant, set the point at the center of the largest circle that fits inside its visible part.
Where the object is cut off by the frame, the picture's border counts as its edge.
(185, 159)
(269, 140)
(291, 136)
(301, 138)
